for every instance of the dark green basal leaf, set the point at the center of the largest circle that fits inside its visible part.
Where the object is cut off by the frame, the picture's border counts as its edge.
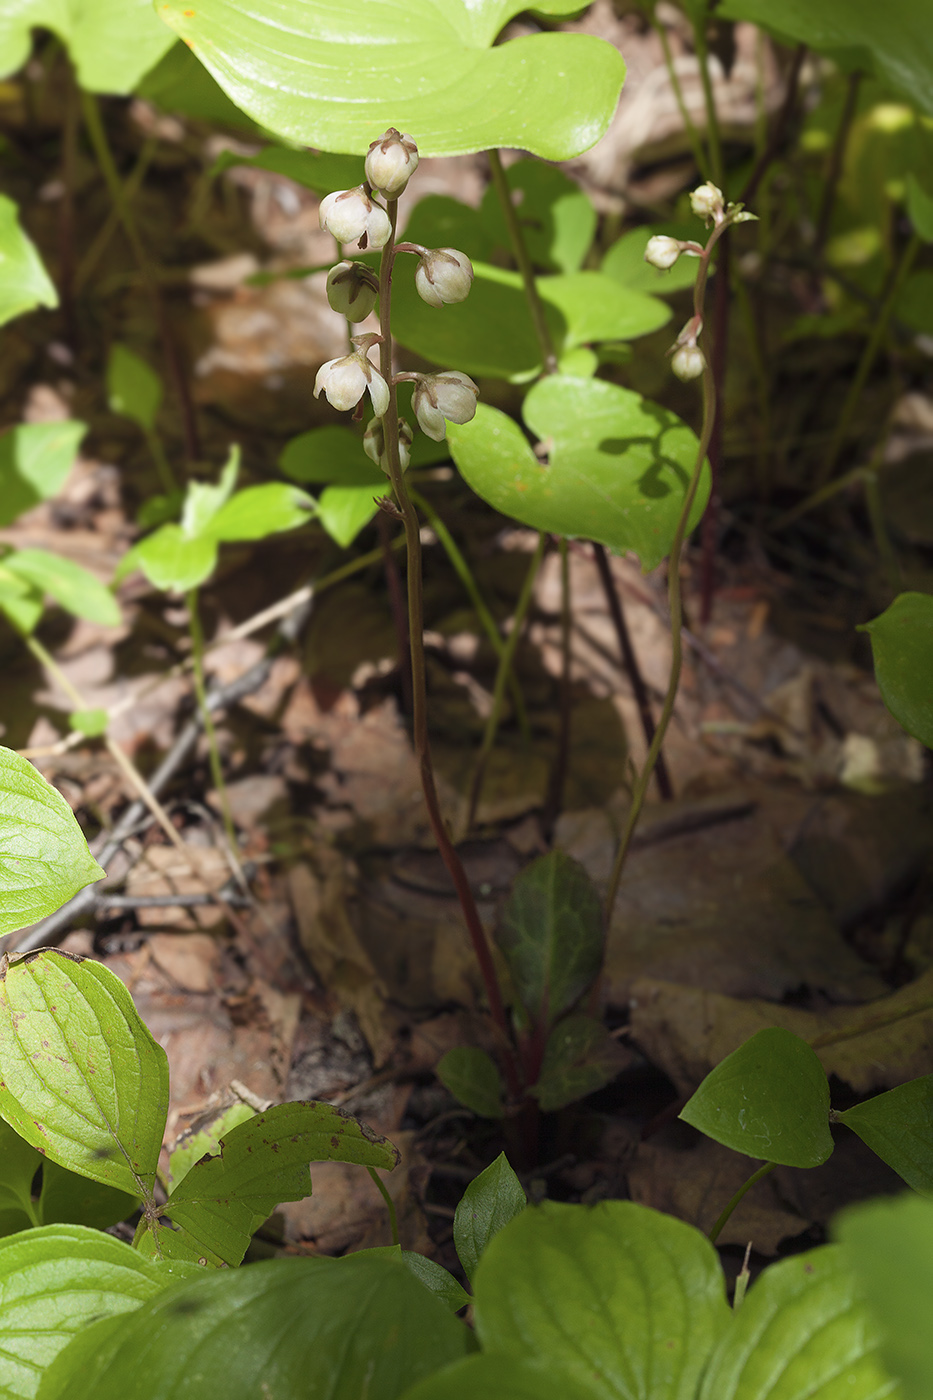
(24, 282)
(111, 43)
(581, 1057)
(69, 1199)
(889, 1248)
(134, 390)
(619, 465)
(73, 588)
(625, 261)
(500, 1378)
(18, 1166)
(898, 1127)
(551, 934)
(436, 1279)
(81, 1078)
(260, 511)
(221, 1200)
(487, 1205)
(557, 219)
(802, 1333)
(340, 1328)
(54, 1281)
(902, 647)
(473, 1077)
(768, 1099)
(316, 170)
(44, 858)
(429, 71)
(35, 459)
(619, 1299)
(332, 456)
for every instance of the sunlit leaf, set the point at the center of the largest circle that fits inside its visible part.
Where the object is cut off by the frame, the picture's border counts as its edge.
(171, 559)
(112, 43)
(75, 589)
(259, 511)
(488, 1204)
(35, 459)
(346, 510)
(134, 390)
(625, 261)
(205, 1142)
(24, 282)
(504, 1377)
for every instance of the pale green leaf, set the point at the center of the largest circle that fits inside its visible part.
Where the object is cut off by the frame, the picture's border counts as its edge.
(35, 459)
(75, 589)
(488, 1204)
(181, 85)
(346, 510)
(93, 723)
(134, 390)
(203, 499)
(625, 261)
(316, 170)
(558, 221)
(20, 601)
(112, 43)
(24, 282)
(171, 559)
(902, 647)
(259, 511)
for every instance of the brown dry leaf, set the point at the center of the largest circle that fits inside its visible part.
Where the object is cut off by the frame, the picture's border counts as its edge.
(189, 959)
(163, 870)
(686, 1030)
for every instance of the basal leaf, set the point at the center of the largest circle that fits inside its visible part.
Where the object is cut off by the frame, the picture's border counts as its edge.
(329, 455)
(768, 1099)
(81, 1078)
(44, 858)
(260, 511)
(902, 647)
(134, 390)
(316, 170)
(625, 261)
(346, 510)
(473, 1077)
(430, 69)
(35, 459)
(75, 589)
(221, 1200)
(18, 1166)
(112, 43)
(340, 1328)
(580, 1057)
(70, 1199)
(91, 722)
(436, 1279)
(618, 470)
(898, 1127)
(551, 933)
(622, 1301)
(171, 559)
(490, 1201)
(557, 219)
(803, 1332)
(24, 282)
(502, 1377)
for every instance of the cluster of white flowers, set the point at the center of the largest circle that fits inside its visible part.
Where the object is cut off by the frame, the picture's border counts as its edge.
(443, 277)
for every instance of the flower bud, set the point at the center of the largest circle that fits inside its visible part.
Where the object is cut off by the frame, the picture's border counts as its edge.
(706, 201)
(391, 162)
(688, 362)
(437, 397)
(350, 215)
(352, 289)
(443, 275)
(374, 442)
(662, 251)
(343, 383)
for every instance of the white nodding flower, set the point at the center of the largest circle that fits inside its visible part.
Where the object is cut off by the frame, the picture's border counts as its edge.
(688, 362)
(662, 251)
(442, 398)
(443, 275)
(707, 202)
(391, 162)
(351, 214)
(343, 383)
(352, 289)
(374, 442)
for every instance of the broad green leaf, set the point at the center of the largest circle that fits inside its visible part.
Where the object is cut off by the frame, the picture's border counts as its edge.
(486, 1206)
(205, 1142)
(618, 472)
(902, 647)
(181, 85)
(90, 722)
(803, 1332)
(898, 1127)
(44, 858)
(54, 1281)
(81, 1078)
(221, 1200)
(768, 1099)
(596, 308)
(436, 1279)
(893, 41)
(581, 1057)
(551, 932)
(134, 390)
(171, 559)
(329, 455)
(340, 1328)
(439, 221)
(316, 170)
(620, 1299)
(473, 1077)
(112, 43)
(430, 70)
(259, 511)
(18, 1166)
(67, 1198)
(35, 459)
(24, 282)
(500, 1378)
(889, 1246)
(73, 588)
(920, 208)
(20, 601)
(557, 219)
(203, 499)
(625, 261)
(346, 510)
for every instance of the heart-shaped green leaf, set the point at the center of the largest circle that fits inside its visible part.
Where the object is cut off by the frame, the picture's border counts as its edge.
(171, 559)
(473, 1077)
(803, 1332)
(625, 261)
(557, 219)
(488, 1204)
(134, 390)
(898, 1127)
(768, 1099)
(73, 588)
(44, 858)
(24, 282)
(902, 647)
(260, 511)
(329, 455)
(112, 43)
(35, 459)
(430, 69)
(623, 1301)
(81, 1078)
(618, 472)
(580, 1057)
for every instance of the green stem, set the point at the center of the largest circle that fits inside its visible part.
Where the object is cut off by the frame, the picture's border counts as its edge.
(755, 1177)
(420, 738)
(200, 690)
(163, 467)
(879, 528)
(130, 190)
(713, 141)
(520, 252)
(693, 136)
(558, 778)
(504, 671)
(390, 1204)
